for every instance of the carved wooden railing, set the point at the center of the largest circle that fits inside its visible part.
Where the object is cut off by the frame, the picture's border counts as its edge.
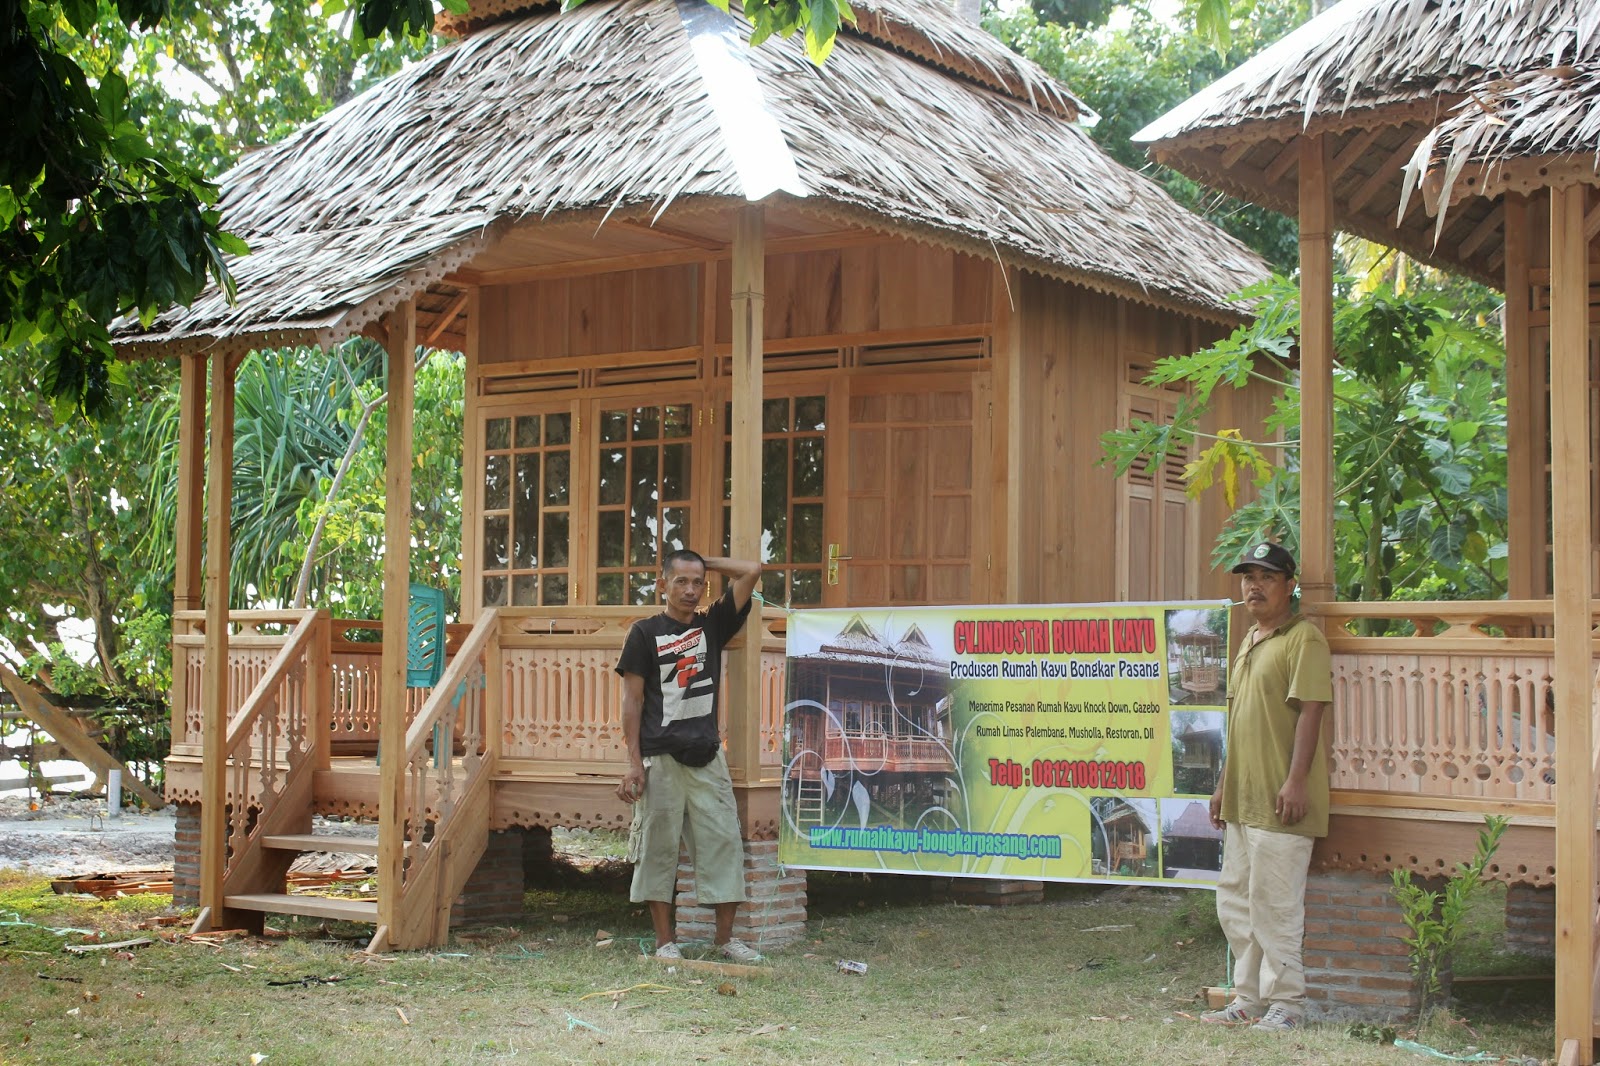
(274, 742)
(871, 751)
(255, 638)
(1460, 708)
(450, 753)
(563, 699)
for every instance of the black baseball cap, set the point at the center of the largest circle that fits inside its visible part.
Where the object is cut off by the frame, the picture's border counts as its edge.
(1268, 556)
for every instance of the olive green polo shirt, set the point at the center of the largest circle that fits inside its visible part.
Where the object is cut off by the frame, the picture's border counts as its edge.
(1270, 680)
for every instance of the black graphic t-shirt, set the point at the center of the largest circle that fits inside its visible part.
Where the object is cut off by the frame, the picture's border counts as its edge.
(681, 663)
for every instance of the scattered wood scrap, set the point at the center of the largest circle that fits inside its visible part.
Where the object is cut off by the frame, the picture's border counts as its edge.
(84, 949)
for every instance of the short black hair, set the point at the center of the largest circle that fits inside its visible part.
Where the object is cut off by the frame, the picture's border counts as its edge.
(682, 555)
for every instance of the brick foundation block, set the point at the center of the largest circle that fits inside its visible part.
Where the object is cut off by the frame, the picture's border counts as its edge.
(1357, 965)
(1531, 920)
(186, 856)
(774, 911)
(987, 892)
(493, 894)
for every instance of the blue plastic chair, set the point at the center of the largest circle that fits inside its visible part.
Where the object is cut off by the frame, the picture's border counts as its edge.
(424, 646)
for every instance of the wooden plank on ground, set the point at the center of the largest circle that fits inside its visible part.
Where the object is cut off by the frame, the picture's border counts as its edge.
(726, 969)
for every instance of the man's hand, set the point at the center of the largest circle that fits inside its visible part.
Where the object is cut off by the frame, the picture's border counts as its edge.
(1216, 809)
(631, 787)
(1291, 806)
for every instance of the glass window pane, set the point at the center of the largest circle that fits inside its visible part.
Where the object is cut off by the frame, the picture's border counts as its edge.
(525, 515)
(774, 501)
(642, 586)
(496, 482)
(557, 478)
(675, 472)
(525, 590)
(805, 543)
(674, 529)
(680, 421)
(613, 486)
(646, 423)
(808, 469)
(555, 538)
(555, 589)
(496, 538)
(643, 529)
(805, 588)
(811, 413)
(497, 433)
(772, 587)
(494, 591)
(528, 431)
(558, 428)
(727, 532)
(608, 589)
(727, 470)
(613, 426)
(612, 540)
(774, 415)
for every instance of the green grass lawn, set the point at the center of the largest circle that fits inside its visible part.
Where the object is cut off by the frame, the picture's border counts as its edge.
(1094, 975)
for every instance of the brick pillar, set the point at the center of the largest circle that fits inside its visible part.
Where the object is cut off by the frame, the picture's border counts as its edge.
(186, 856)
(1357, 964)
(774, 911)
(538, 854)
(988, 892)
(493, 894)
(1531, 920)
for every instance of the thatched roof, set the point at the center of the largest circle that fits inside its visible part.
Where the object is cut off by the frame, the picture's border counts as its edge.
(1533, 129)
(1374, 76)
(640, 109)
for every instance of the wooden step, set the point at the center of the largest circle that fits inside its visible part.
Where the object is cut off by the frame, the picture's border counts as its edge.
(344, 910)
(319, 842)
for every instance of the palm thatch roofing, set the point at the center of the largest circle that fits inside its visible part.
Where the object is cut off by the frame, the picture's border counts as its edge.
(1518, 133)
(540, 130)
(1374, 77)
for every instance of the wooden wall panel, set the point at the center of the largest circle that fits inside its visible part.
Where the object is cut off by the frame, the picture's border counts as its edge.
(602, 313)
(858, 279)
(1069, 372)
(666, 307)
(899, 295)
(524, 321)
(804, 294)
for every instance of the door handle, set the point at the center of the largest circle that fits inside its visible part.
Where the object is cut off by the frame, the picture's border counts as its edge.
(834, 559)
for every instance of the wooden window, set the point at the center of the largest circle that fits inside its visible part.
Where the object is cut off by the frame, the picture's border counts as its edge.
(1158, 525)
(644, 466)
(527, 509)
(792, 492)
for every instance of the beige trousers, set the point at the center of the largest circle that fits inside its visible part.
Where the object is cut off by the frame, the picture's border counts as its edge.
(1261, 903)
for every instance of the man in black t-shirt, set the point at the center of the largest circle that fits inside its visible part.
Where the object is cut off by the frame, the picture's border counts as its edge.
(677, 777)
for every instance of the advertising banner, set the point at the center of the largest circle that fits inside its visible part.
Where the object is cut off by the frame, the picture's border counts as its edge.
(1056, 743)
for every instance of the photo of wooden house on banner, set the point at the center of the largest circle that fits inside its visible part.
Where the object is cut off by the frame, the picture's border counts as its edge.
(865, 322)
(878, 736)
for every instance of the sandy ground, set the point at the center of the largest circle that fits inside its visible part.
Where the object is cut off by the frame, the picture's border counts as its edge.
(74, 836)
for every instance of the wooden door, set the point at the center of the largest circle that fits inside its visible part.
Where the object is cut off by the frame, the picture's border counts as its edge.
(914, 531)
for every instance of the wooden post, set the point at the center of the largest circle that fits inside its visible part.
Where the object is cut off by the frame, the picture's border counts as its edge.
(214, 681)
(1574, 664)
(402, 342)
(472, 466)
(1316, 374)
(742, 700)
(1524, 445)
(191, 481)
(1006, 348)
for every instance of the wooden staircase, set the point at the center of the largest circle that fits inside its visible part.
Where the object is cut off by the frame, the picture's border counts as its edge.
(430, 839)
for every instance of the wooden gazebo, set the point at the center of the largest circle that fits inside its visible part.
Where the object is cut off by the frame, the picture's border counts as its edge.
(1491, 107)
(866, 322)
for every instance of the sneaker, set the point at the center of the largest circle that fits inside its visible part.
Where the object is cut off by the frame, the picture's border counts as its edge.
(1235, 1013)
(669, 950)
(739, 951)
(1278, 1019)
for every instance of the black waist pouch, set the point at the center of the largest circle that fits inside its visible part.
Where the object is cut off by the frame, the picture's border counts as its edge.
(696, 756)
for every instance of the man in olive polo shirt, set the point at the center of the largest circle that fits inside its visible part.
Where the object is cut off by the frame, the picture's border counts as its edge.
(1272, 801)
